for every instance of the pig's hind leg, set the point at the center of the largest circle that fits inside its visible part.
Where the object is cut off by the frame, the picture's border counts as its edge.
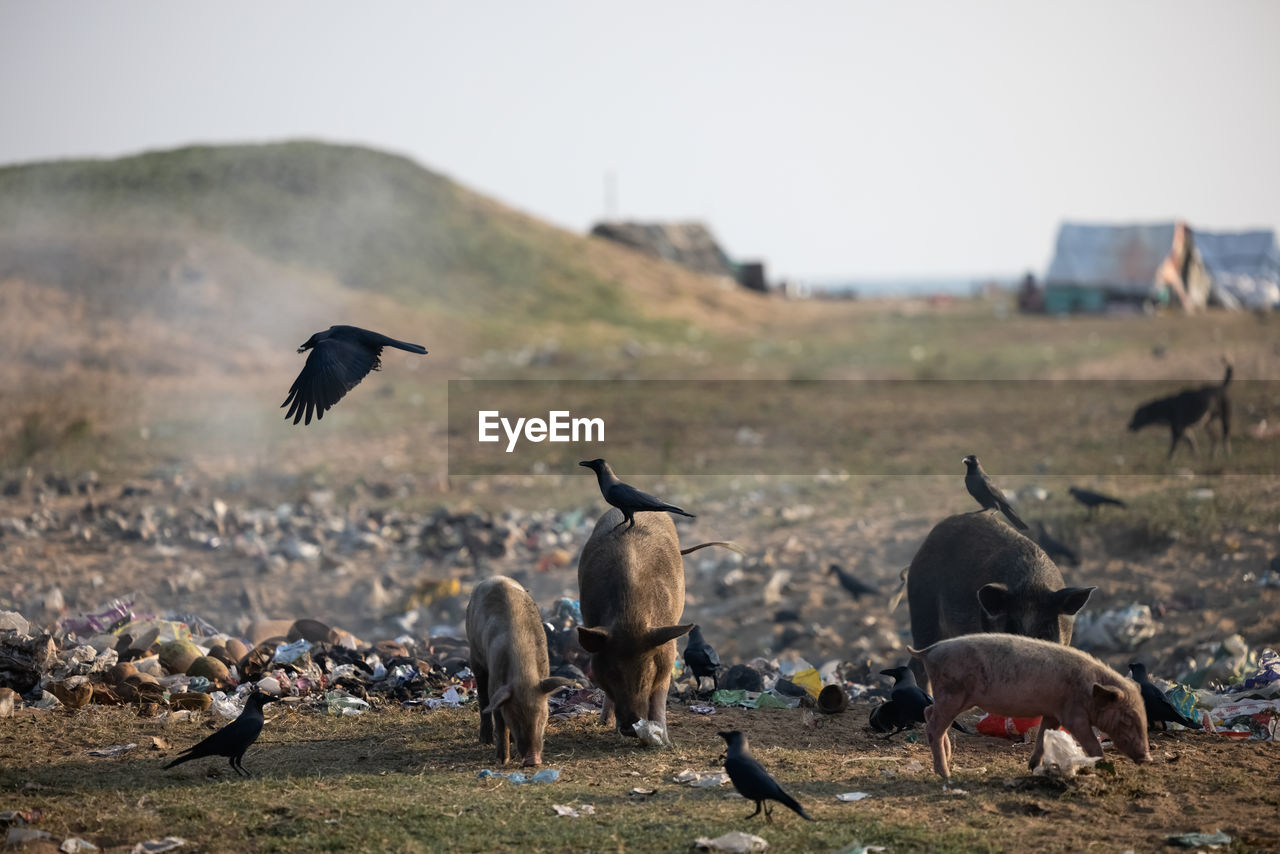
(937, 723)
(658, 711)
(482, 692)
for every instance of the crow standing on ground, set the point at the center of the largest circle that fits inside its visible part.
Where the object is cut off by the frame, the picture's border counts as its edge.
(1157, 704)
(986, 492)
(625, 497)
(752, 781)
(340, 357)
(234, 738)
(1093, 500)
(855, 587)
(906, 704)
(701, 658)
(1055, 548)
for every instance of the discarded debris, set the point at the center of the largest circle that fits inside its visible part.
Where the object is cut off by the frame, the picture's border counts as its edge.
(1197, 840)
(1063, 756)
(574, 812)
(153, 846)
(852, 796)
(519, 778)
(114, 750)
(734, 842)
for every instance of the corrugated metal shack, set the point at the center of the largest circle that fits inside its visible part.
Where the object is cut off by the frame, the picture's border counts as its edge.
(689, 244)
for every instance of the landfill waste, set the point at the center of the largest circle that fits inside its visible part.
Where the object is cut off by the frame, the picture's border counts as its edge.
(1119, 630)
(1199, 840)
(114, 750)
(546, 775)
(1063, 756)
(1002, 727)
(650, 733)
(22, 835)
(153, 846)
(852, 796)
(574, 812)
(76, 845)
(700, 781)
(734, 842)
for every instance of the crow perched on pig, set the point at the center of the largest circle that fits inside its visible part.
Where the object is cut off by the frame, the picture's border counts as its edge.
(752, 781)
(1157, 704)
(340, 357)
(625, 497)
(1186, 409)
(234, 738)
(986, 492)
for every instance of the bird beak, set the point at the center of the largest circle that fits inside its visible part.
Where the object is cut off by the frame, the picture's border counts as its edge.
(302, 349)
(585, 464)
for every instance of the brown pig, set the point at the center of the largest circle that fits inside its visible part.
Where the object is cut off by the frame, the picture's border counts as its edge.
(974, 573)
(1021, 677)
(631, 586)
(509, 658)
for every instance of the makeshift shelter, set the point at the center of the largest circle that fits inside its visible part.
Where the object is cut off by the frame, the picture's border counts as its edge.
(689, 244)
(1105, 267)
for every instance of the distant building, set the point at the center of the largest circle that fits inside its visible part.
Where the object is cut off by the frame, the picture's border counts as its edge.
(689, 244)
(1113, 267)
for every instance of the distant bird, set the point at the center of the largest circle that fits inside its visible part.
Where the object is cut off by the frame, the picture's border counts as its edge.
(855, 587)
(625, 497)
(1157, 704)
(1055, 548)
(752, 781)
(234, 738)
(906, 704)
(1189, 407)
(1093, 500)
(986, 492)
(702, 658)
(340, 357)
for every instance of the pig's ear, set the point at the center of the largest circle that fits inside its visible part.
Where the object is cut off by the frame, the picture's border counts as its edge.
(659, 636)
(592, 640)
(553, 683)
(499, 697)
(994, 600)
(1072, 599)
(1106, 693)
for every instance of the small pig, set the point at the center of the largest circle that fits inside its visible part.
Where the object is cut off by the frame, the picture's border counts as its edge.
(631, 586)
(1021, 677)
(974, 573)
(509, 658)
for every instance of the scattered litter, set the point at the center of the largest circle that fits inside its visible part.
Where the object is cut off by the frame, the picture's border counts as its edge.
(852, 796)
(23, 835)
(574, 812)
(76, 845)
(153, 846)
(1119, 630)
(339, 703)
(644, 793)
(288, 653)
(734, 842)
(519, 778)
(114, 750)
(702, 709)
(1196, 840)
(19, 817)
(451, 699)
(859, 848)
(158, 743)
(1063, 756)
(650, 733)
(1002, 727)
(700, 781)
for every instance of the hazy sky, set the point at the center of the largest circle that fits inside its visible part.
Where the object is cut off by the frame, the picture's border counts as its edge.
(830, 139)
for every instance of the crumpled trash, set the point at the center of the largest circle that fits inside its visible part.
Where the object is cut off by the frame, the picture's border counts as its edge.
(519, 778)
(1197, 840)
(852, 796)
(1229, 661)
(734, 842)
(1119, 630)
(339, 703)
(112, 616)
(753, 700)
(1063, 756)
(450, 699)
(700, 781)
(224, 706)
(154, 846)
(114, 750)
(12, 621)
(702, 709)
(22, 835)
(1267, 673)
(651, 733)
(1253, 719)
(574, 812)
(76, 845)
(288, 653)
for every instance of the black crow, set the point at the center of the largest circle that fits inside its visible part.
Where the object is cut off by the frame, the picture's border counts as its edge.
(234, 738)
(855, 587)
(1055, 548)
(986, 492)
(906, 704)
(340, 357)
(1093, 500)
(701, 658)
(1157, 704)
(1186, 409)
(625, 497)
(751, 780)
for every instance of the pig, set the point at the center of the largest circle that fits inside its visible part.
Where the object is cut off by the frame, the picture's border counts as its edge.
(976, 574)
(508, 649)
(1025, 677)
(631, 587)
